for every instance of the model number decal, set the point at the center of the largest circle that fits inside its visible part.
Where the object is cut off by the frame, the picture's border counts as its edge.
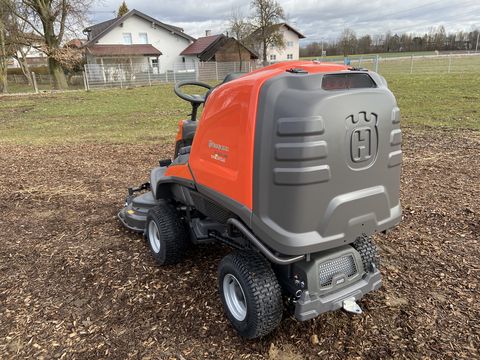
(220, 153)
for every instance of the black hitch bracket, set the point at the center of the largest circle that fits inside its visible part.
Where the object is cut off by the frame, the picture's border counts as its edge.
(144, 186)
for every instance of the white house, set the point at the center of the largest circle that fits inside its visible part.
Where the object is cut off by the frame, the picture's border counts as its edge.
(136, 39)
(291, 51)
(32, 54)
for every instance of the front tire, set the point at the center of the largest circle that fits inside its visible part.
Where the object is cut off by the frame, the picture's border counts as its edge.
(166, 234)
(250, 293)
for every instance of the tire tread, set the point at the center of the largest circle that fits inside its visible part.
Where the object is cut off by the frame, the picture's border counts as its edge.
(172, 230)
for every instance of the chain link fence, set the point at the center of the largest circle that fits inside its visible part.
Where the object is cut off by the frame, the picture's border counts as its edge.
(97, 76)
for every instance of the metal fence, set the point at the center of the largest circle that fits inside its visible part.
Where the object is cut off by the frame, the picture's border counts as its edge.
(127, 75)
(415, 64)
(41, 82)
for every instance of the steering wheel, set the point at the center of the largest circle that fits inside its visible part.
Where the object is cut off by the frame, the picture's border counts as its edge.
(193, 99)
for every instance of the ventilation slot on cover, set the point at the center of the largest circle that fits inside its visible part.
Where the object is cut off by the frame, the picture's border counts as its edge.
(342, 265)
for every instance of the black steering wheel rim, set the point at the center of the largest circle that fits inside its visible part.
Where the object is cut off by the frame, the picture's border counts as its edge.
(194, 100)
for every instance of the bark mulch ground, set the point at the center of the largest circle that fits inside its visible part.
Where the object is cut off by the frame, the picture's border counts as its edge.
(75, 284)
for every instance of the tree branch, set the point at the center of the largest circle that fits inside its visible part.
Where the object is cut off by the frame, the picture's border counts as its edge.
(62, 21)
(24, 18)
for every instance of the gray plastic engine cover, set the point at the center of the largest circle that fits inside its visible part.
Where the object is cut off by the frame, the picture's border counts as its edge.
(327, 163)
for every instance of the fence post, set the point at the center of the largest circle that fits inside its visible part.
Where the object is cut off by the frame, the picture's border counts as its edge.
(174, 77)
(376, 63)
(34, 80)
(86, 77)
(166, 75)
(411, 65)
(449, 63)
(197, 74)
(216, 70)
(120, 77)
(149, 80)
(84, 80)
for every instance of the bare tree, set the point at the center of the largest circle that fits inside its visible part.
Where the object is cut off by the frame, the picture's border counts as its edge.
(240, 29)
(19, 41)
(364, 44)
(266, 18)
(51, 19)
(3, 57)
(348, 42)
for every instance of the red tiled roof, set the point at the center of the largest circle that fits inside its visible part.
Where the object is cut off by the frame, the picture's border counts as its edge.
(123, 50)
(98, 30)
(75, 43)
(199, 46)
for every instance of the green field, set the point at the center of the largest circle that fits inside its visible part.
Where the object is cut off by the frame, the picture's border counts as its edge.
(150, 114)
(383, 55)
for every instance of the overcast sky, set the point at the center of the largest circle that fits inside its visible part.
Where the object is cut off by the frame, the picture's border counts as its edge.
(316, 19)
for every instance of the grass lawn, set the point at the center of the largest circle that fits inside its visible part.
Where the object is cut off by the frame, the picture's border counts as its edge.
(383, 55)
(151, 114)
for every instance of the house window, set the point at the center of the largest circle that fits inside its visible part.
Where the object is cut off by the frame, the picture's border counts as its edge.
(273, 57)
(127, 38)
(143, 38)
(289, 56)
(290, 43)
(155, 62)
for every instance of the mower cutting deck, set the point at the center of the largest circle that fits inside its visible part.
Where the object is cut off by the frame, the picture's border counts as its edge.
(294, 166)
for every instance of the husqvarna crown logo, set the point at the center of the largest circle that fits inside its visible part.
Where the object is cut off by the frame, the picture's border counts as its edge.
(362, 138)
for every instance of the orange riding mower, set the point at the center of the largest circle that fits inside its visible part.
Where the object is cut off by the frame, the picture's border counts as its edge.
(294, 166)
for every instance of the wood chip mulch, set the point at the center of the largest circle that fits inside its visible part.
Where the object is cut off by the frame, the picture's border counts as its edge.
(75, 285)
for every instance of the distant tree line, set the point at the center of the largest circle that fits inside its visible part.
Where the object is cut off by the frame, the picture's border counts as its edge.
(436, 39)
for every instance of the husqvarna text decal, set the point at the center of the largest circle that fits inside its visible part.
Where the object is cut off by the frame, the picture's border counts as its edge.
(220, 151)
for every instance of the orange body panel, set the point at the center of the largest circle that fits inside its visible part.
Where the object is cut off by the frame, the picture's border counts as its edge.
(222, 150)
(179, 171)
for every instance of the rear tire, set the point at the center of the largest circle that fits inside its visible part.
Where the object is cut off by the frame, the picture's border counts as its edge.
(166, 234)
(368, 251)
(250, 293)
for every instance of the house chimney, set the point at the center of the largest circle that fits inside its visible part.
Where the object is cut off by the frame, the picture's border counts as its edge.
(208, 32)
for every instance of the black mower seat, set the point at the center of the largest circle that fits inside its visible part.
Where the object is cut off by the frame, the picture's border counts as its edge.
(226, 79)
(189, 129)
(232, 76)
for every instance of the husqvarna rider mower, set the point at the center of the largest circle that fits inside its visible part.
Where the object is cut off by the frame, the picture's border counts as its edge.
(294, 166)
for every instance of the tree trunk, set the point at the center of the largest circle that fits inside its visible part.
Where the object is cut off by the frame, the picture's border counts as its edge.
(56, 70)
(3, 61)
(239, 54)
(265, 63)
(22, 60)
(53, 44)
